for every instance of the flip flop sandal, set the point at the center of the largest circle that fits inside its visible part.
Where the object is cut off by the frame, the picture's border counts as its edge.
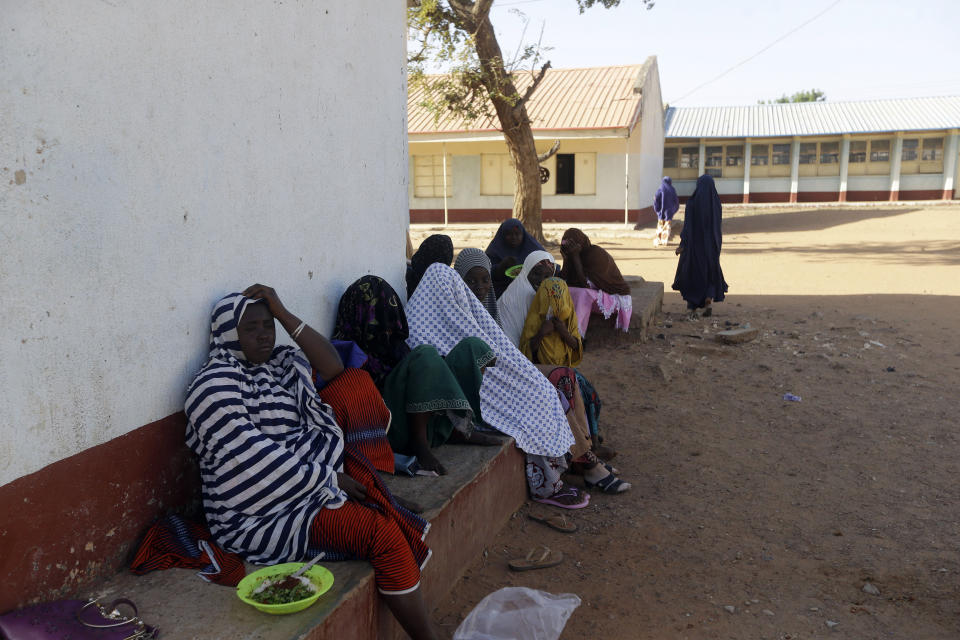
(558, 522)
(608, 484)
(538, 558)
(568, 492)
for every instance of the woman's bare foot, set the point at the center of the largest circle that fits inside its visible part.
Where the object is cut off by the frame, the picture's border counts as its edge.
(428, 462)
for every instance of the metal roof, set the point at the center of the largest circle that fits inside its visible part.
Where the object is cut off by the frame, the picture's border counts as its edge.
(813, 118)
(592, 98)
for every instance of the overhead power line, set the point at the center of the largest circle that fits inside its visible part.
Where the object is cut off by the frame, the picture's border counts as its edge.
(748, 59)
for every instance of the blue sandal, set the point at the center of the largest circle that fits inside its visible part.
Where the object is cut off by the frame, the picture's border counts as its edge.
(608, 484)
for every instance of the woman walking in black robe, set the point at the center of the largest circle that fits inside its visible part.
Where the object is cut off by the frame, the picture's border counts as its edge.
(699, 277)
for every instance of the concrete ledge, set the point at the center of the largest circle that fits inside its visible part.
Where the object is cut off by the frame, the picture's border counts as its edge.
(647, 302)
(465, 508)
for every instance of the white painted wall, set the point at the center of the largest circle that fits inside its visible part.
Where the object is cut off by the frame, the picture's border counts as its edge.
(646, 163)
(155, 156)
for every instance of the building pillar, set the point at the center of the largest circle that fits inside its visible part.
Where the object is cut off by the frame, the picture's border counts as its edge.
(701, 160)
(950, 165)
(794, 169)
(844, 167)
(895, 158)
(747, 150)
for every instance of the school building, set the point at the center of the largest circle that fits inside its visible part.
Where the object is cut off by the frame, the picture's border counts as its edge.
(608, 120)
(902, 149)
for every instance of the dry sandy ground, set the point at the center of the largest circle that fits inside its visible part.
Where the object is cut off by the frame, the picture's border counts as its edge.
(752, 516)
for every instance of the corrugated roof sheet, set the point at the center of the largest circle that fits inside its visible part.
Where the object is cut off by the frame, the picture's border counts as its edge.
(813, 118)
(593, 98)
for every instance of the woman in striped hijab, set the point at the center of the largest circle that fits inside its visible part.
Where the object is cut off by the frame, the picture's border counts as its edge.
(278, 484)
(474, 267)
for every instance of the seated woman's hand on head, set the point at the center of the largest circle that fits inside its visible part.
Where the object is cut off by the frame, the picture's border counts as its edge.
(260, 329)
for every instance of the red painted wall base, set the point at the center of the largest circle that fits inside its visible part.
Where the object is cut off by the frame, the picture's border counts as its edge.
(76, 520)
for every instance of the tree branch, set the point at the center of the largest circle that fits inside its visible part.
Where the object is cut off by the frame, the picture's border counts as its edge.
(533, 86)
(544, 156)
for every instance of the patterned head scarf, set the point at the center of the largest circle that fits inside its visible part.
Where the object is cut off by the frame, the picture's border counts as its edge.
(370, 314)
(515, 301)
(436, 248)
(552, 299)
(268, 447)
(515, 397)
(470, 258)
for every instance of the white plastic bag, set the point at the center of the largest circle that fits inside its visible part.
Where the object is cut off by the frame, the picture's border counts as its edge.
(518, 613)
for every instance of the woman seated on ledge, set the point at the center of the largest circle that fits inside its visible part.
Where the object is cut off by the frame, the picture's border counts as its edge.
(509, 247)
(431, 399)
(595, 280)
(549, 337)
(515, 397)
(278, 483)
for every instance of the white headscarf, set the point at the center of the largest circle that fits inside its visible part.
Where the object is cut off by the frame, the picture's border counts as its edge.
(515, 397)
(515, 301)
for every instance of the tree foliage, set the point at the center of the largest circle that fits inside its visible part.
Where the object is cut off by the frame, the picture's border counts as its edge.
(813, 95)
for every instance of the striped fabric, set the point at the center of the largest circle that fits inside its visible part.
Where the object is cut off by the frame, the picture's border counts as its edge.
(172, 541)
(468, 259)
(364, 533)
(268, 448)
(362, 414)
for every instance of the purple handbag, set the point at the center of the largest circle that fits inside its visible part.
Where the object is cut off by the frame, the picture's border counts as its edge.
(75, 620)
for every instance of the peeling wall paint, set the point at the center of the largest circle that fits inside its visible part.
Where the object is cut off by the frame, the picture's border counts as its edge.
(158, 156)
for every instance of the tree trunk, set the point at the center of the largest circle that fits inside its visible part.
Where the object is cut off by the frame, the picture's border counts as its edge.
(527, 202)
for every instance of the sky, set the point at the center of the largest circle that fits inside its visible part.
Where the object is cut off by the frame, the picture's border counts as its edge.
(855, 50)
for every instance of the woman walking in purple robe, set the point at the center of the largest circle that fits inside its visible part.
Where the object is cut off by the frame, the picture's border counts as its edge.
(665, 204)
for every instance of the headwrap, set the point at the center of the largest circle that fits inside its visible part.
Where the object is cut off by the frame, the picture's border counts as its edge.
(514, 304)
(470, 258)
(436, 248)
(498, 249)
(370, 314)
(552, 298)
(515, 397)
(598, 266)
(665, 202)
(699, 275)
(268, 447)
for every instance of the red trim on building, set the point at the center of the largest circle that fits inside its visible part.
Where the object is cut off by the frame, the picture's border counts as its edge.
(476, 216)
(922, 194)
(842, 197)
(76, 520)
(868, 196)
(893, 196)
(818, 196)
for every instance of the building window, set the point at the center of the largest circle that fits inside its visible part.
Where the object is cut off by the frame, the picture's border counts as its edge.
(734, 155)
(808, 153)
(671, 158)
(566, 173)
(576, 173)
(932, 149)
(910, 150)
(781, 154)
(428, 176)
(879, 151)
(759, 155)
(858, 151)
(829, 152)
(714, 162)
(497, 176)
(690, 158)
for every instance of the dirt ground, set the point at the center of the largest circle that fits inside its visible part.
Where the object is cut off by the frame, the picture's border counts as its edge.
(752, 516)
